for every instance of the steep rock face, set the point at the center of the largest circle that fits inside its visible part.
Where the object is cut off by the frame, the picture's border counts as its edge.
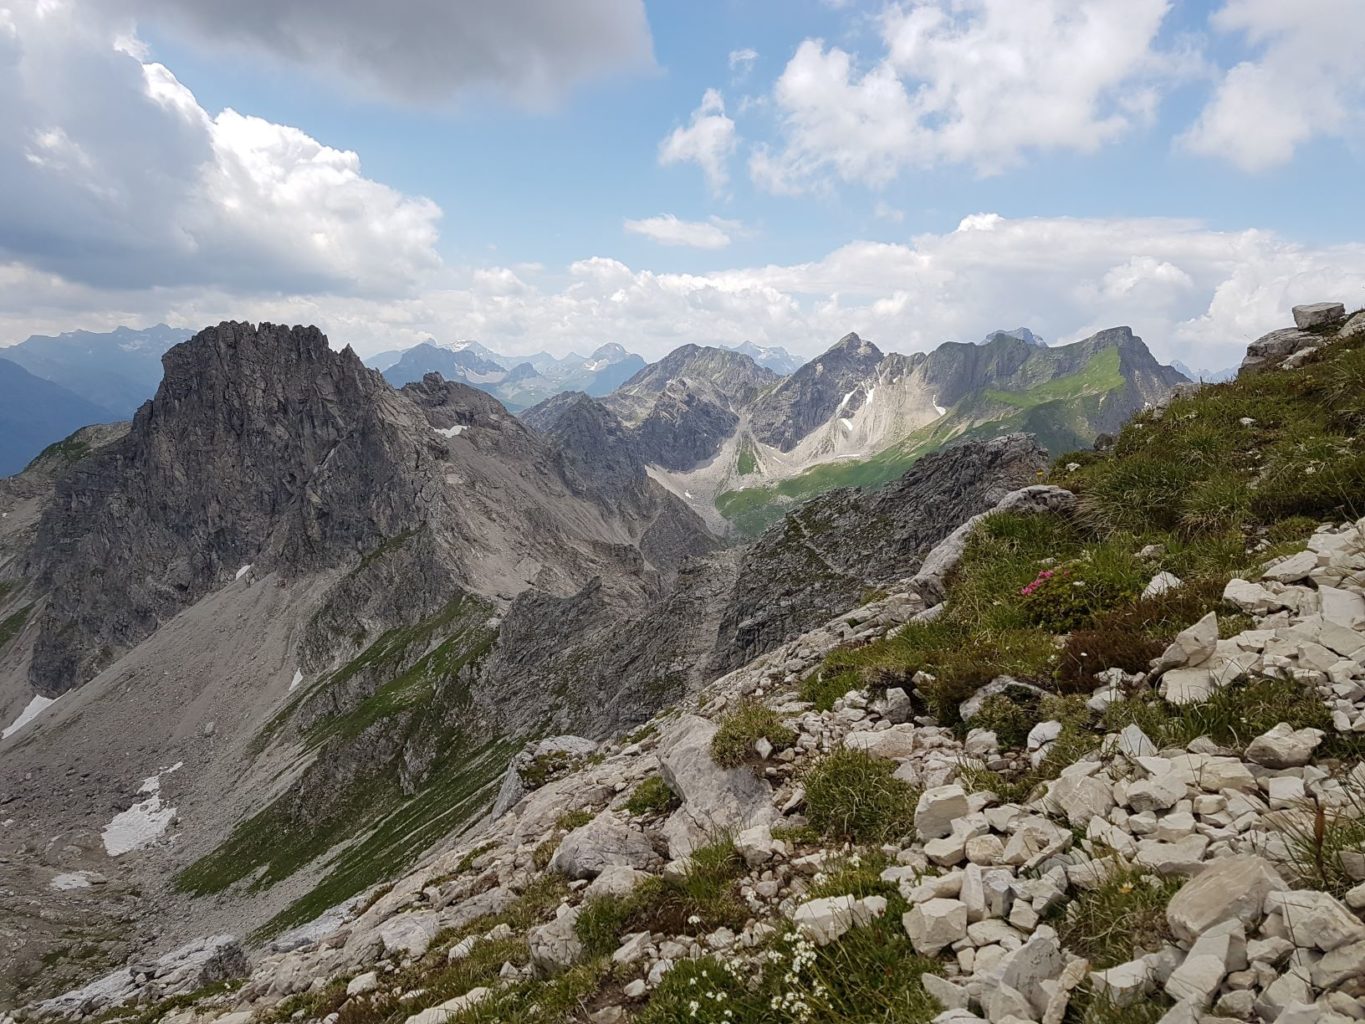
(814, 393)
(731, 379)
(826, 555)
(599, 461)
(261, 445)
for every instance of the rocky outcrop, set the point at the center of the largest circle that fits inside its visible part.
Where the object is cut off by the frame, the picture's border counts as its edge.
(180, 972)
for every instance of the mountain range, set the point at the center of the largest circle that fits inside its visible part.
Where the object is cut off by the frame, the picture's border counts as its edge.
(740, 434)
(742, 444)
(517, 383)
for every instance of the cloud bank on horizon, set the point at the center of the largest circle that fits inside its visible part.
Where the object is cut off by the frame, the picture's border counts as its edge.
(794, 175)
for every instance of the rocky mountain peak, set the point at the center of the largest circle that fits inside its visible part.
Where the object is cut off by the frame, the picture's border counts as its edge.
(612, 351)
(808, 398)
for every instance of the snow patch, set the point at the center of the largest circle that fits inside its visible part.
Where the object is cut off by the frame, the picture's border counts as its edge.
(848, 423)
(688, 495)
(938, 408)
(846, 399)
(454, 431)
(871, 393)
(243, 571)
(32, 710)
(298, 678)
(142, 823)
(138, 826)
(69, 880)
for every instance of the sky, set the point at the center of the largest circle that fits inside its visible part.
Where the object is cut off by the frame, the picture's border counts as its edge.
(555, 175)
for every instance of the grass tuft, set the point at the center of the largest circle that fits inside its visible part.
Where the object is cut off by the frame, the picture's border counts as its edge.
(743, 726)
(854, 796)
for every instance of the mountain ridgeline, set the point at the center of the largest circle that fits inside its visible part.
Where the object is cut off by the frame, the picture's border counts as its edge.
(743, 445)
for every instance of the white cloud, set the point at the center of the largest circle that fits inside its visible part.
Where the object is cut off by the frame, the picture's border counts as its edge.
(1307, 81)
(667, 229)
(708, 141)
(742, 61)
(112, 174)
(1193, 293)
(426, 50)
(982, 83)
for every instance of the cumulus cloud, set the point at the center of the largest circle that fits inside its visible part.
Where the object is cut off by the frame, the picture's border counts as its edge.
(1306, 81)
(1193, 293)
(708, 141)
(427, 51)
(667, 229)
(112, 174)
(981, 83)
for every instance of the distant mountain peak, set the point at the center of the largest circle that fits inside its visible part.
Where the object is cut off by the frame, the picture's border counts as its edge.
(774, 357)
(1019, 333)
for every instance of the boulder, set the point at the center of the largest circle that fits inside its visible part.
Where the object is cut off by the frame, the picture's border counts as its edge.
(1284, 747)
(362, 983)
(1315, 920)
(1080, 797)
(409, 934)
(894, 744)
(757, 846)
(1251, 597)
(615, 880)
(604, 842)
(824, 920)
(1192, 646)
(715, 800)
(1124, 984)
(1318, 314)
(1188, 685)
(935, 924)
(442, 1012)
(1161, 583)
(1229, 888)
(1277, 345)
(1027, 971)
(1293, 568)
(1215, 953)
(555, 946)
(937, 809)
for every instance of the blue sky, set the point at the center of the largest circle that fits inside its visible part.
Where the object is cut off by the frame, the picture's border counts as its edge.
(1185, 167)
